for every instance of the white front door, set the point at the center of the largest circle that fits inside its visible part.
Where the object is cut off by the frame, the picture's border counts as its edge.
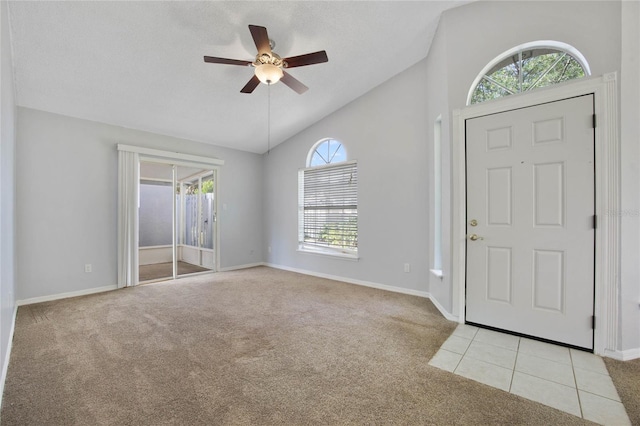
(530, 221)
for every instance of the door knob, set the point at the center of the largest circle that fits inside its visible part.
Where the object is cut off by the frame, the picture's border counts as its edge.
(474, 237)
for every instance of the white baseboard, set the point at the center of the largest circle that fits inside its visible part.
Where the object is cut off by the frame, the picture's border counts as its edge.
(65, 295)
(379, 286)
(352, 281)
(245, 266)
(411, 292)
(5, 364)
(442, 310)
(626, 355)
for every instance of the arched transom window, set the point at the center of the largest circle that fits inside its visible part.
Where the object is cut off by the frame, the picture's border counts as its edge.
(327, 151)
(527, 67)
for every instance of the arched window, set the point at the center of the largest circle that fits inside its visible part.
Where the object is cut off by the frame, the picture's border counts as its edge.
(527, 67)
(326, 151)
(328, 201)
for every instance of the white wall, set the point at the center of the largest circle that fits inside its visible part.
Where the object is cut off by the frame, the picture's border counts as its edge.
(390, 132)
(438, 105)
(7, 193)
(478, 32)
(607, 35)
(386, 130)
(630, 178)
(66, 203)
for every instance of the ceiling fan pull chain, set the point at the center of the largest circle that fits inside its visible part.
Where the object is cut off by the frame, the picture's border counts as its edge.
(268, 118)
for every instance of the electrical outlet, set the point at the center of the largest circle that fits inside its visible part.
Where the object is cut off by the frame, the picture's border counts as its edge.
(407, 267)
(87, 267)
(269, 249)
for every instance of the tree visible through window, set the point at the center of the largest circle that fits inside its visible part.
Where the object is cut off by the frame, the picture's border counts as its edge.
(328, 201)
(525, 70)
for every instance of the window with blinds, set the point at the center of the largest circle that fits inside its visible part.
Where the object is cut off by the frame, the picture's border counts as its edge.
(328, 209)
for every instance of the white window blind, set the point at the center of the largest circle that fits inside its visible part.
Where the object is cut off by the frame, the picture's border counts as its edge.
(328, 207)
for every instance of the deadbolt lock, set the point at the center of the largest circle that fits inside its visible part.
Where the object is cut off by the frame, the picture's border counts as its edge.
(473, 222)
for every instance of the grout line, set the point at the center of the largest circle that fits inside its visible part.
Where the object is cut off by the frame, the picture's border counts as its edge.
(575, 380)
(465, 351)
(513, 372)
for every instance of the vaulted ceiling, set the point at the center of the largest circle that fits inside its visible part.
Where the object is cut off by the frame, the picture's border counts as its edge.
(140, 64)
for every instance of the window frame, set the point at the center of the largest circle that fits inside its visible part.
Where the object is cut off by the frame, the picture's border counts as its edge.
(306, 247)
(315, 147)
(540, 44)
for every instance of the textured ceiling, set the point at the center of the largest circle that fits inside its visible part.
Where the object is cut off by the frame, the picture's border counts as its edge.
(140, 64)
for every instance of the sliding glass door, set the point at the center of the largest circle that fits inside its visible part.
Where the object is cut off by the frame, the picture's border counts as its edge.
(195, 227)
(177, 220)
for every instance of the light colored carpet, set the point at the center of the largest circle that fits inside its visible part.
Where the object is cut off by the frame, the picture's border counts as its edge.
(163, 270)
(626, 377)
(258, 346)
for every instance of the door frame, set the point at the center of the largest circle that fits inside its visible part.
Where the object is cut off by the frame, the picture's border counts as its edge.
(607, 195)
(165, 157)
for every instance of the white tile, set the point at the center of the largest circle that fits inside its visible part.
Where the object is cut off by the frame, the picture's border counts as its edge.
(483, 372)
(545, 369)
(466, 331)
(491, 354)
(599, 384)
(545, 392)
(456, 344)
(587, 361)
(545, 350)
(603, 410)
(445, 360)
(498, 339)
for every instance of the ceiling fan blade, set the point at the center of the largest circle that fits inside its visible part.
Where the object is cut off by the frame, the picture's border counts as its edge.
(261, 38)
(214, 60)
(293, 83)
(251, 85)
(308, 59)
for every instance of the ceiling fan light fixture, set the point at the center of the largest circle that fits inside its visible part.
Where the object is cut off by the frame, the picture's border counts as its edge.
(268, 73)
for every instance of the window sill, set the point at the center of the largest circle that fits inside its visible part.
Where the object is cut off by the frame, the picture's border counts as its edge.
(327, 253)
(437, 272)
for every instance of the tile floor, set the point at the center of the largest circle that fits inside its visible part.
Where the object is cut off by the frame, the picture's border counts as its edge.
(573, 381)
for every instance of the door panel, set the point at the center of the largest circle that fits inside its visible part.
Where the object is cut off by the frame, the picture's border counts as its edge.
(195, 195)
(530, 188)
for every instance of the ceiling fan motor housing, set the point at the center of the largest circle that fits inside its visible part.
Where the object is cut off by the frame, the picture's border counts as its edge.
(271, 59)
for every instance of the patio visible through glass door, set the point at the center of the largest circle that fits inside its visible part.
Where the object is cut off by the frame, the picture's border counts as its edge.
(176, 218)
(195, 224)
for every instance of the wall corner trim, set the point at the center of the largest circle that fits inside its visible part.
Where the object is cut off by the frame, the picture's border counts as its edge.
(5, 365)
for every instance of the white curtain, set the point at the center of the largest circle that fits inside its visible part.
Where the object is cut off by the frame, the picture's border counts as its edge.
(128, 179)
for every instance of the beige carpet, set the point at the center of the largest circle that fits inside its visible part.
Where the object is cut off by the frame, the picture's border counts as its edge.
(164, 270)
(257, 346)
(626, 376)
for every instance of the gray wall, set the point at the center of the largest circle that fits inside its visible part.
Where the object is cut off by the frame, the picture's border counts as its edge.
(66, 205)
(438, 105)
(70, 162)
(390, 132)
(630, 177)
(387, 132)
(7, 192)
(155, 215)
(595, 29)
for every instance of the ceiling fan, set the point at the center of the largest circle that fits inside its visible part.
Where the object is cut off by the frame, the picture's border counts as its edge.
(269, 66)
